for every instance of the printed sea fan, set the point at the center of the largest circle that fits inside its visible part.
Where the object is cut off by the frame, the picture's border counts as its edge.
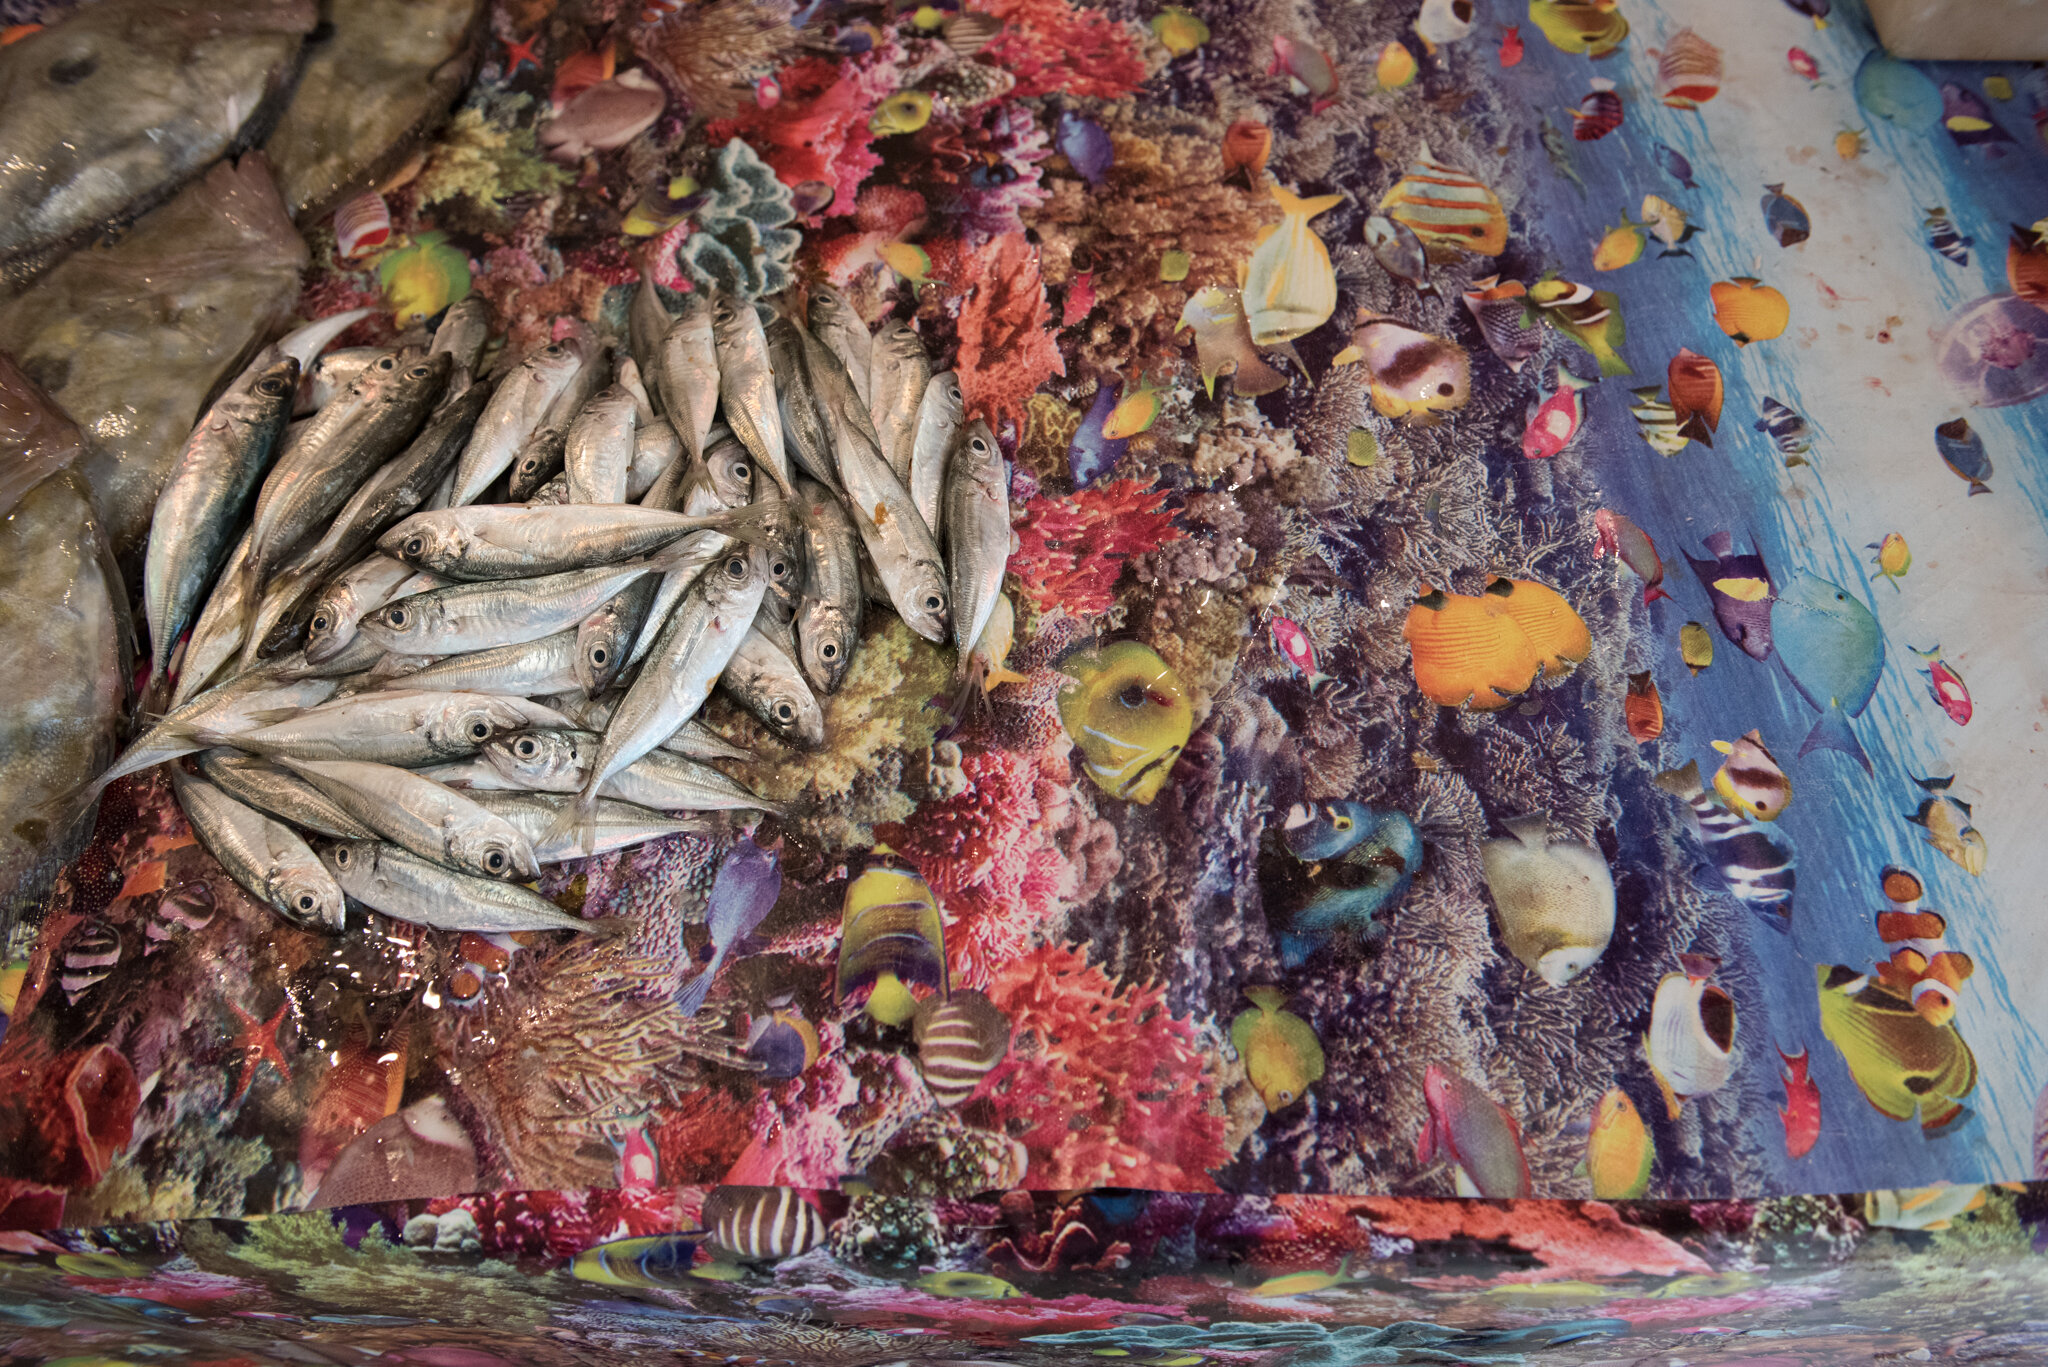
(1006, 346)
(742, 243)
(1104, 1085)
(1049, 45)
(1071, 548)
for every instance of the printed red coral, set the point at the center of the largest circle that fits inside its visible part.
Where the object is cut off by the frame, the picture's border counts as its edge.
(818, 130)
(1104, 1086)
(1049, 46)
(700, 1136)
(1570, 1238)
(1006, 344)
(882, 214)
(987, 855)
(1071, 548)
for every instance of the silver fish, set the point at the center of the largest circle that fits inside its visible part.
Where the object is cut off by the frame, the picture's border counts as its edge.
(647, 322)
(562, 762)
(464, 332)
(687, 367)
(202, 501)
(834, 323)
(108, 112)
(629, 378)
(539, 461)
(746, 385)
(417, 814)
(939, 415)
(619, 824)
(331, 375)
(692, 651)
(360, 590)
(656, 447)
(133, 339)
(244, 703)
(692, 740)
(598, 452)
(763, 678)
(217, 636)
(493, 541)
(527, 669)
(265, 856)
(311, 482)
(516, 409)
(604, 640)
(722, 479)
(803, 427)
(478, 616)
(977, 521)
(390, 727)
(405, 887)
(828, 620)
(896, 384)
(280, 793)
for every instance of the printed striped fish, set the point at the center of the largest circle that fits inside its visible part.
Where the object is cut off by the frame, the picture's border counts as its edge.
(763, 1224)
(361, 225)
(1447, 207)
(959, 1043)
(1756, 867)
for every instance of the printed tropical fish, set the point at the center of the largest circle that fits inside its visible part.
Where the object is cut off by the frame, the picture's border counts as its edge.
(959, 1042)
(1475, 1134)
(1675, 165)
(1696, 393)
(1943, 236)
(1816, 10)
(1785, 218)
(1643, 708)
(1619, 1151)
(1399, 251)
(904, 112)
(422, 279)
(1281, 1053)
(1688, 70)
(1085, 144)
(1657, 421)
(1669, 225)
(1510, 46)
(1962, 450)
(1093, 453)
(1622, 246)
(1246, 145)
(1479, 652)
(1946, 821)
(1136, 411)
(1499, 309)
(1623, 539)
(361, 225)
(1748, 310)
(1922, 968)
(1290, 287)
(1946, 686)
(1178, 31)
(1447, 207)
(891, 935)
(1832, 647)
(1307, 69)
(1742, 593)
(782, 1044)
(1223, 344)
(1396, 67)
(1893, 558)
(1691, 1040)
(1304, 1283)
(1362, 861)
(1904, 1066)
(1756, 866)
(742, 894)
(1586, 28)
(1295, 647)
(1416, 376)
(1801, 1111)
(1590, 317)
(1695, 647)
(1443, 21)
(1968, 120)
(1127, 714)
(1599, 112)
(2026, 264)
(1921, 1208)
(1802, 63)
(1749, 781)
(1788, 431)
(1553, 900)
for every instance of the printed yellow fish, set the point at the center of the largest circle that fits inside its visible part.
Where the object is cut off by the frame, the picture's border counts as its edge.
(1178, 31)
(1136, 411)
(1621, 246)
(1893, 558)
(1128, 715)
(1921, 1208)
(1396, 67)
(1903, 1065)
(1749, 781)
(1304, 1283)
(908, 260)
(904, 112)
(1447, 208)
(1695, 647)
(891, 935)
(1290, 287)
(1174, 266)
(422, 279)
(1619, 1151)
(978, 1286)
(1552, 899)
(1223, 344)
(1589, 28)
(1417, 376)
(1281, 1053)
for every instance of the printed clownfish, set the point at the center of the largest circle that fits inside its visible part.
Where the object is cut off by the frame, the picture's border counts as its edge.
(1922, 969)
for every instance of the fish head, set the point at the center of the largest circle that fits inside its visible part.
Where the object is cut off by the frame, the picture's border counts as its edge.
(407, 625)
(826, 639)
(540, 759)
(308, 894)
(1326, 829)
(464, 723)
(332, 625)
(492, 847)
(1129, 715)
(794, 713)
(731, 471)
(928, 601)
(427, 542)
(735, 579)
(352, 862)
(602, 648)
(1559, 966)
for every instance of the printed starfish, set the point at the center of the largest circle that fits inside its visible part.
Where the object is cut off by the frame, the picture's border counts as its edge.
(515, 53)
(257, 1044)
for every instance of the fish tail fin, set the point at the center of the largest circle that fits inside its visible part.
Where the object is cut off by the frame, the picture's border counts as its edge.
(752, 523)
(1695, 427)
(1832, 732)
(1936, 785)
(576, 820)
(1672, 1101)
(1266, 998)
(1652, 592)
(1933, 654)
(1294, 205)
(690, 1000)
(1683, 783)
(1978, 486)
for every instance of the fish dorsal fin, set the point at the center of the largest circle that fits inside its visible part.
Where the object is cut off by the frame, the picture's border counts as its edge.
(1294, 206)
(1725, 747)
(1266, 998)
(1532, 829)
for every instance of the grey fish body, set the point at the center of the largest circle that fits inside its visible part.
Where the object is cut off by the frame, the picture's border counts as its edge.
(722, 478)
(939, 415)
(763, 678)
(308, 485)
(977, 521)
(746, 385)
(280, 793)
(498, 541)
(803, 427)
(231, 709)
(478, 616)
(686, 370)
(109, 111)
(899, 374)
(265, 856)
(604, 640)
(829, 618)
(359, 590)
(834, 323)
(417, 814)
(331, 375)
(391, 727)
(217, 636)
(202, 501)
(464, 332)
(647, 322)
(656, 447)
(598, 451)
(539, 461)
(405, 887)
(630, 379)
(619, 824)
(692, 740)
(563, 761)
(528, 669)
(516, 409)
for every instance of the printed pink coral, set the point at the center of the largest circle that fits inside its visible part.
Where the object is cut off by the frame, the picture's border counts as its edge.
(1006, 344)
(818, 130)
(1049, 46)
(1071, 549)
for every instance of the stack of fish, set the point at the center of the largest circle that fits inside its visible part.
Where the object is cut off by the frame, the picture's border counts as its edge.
(365, 642)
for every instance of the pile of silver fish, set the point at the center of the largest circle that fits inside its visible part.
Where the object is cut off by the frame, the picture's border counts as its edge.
(422, 628)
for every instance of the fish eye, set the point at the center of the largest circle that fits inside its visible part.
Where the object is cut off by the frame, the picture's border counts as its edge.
(598, 655)
(495, 861)
(319, 621)
(736, 567)
(780, 569)
(1447, 389)
(1285, 1098)
(1132, 696)
(342, 856)
(273, 386)
(784, 712)
(73, 70)
(526, 748)
(1342, 823)
(932, 602)
(741, 473)
(387, 363)
(419, 372)
(481, 730)
(306, 902)
(830, 650)
(415, 545)
(395, 616)
(554, 351)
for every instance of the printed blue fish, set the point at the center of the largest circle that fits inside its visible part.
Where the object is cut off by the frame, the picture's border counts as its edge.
(1944, 237)
(1785, 217)
(1962, 450)
(1787, 429)
(742, 895)
(1675, 165)
(1741, 589)
(1968, 120)
(1364, 859)
(1084, 143)
(1093, 453)
(1832, 647)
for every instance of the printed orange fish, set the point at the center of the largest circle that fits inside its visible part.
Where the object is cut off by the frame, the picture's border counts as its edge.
(1643, 708)
(1801, 1111)
(1246, 145)
(1922, 969)
(1696, 394)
